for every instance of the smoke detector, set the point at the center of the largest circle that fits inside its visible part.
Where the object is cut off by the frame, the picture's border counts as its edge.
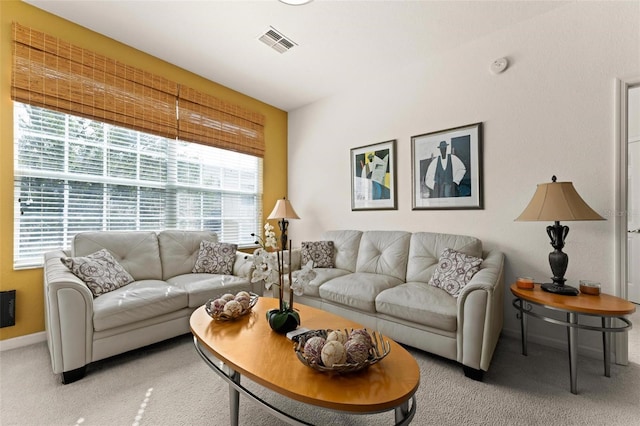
(276, 40)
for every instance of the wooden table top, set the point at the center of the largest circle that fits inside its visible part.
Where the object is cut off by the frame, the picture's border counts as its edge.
(250, 347)
(603, 304)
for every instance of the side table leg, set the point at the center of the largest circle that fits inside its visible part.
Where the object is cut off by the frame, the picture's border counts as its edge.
(606, 345)
(573, 353)
(523, 328)
(234, 399)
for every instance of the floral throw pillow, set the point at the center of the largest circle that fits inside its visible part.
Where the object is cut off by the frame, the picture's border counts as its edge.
(454, 271)
(319, 252)
(99, 271)
(215, 258)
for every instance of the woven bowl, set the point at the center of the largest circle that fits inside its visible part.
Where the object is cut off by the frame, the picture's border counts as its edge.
(221, 316)
(380, 349)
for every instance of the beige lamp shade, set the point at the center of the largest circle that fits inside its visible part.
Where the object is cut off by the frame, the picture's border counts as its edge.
(283, 210)
(557, 201)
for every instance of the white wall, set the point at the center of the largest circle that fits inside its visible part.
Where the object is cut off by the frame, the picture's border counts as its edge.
(550, 113)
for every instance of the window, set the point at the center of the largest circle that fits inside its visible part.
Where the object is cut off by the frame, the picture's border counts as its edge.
(75, 174)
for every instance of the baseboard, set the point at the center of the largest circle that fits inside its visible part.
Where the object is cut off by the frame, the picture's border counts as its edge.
(20, 341)
(588, 351)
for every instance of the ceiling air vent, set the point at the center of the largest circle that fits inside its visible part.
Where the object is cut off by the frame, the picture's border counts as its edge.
(276, 40)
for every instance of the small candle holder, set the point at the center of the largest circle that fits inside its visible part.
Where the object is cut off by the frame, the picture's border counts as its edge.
(524, 282)
(590, 287)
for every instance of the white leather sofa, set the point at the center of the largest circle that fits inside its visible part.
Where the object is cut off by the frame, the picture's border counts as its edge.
(82, 328)
(381, 280)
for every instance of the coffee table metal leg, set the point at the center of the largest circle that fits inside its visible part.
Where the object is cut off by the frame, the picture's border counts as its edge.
(606, 340)
(573, 352)
(234, 399)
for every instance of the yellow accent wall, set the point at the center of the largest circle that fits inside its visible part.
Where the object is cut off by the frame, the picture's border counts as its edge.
(28, 283)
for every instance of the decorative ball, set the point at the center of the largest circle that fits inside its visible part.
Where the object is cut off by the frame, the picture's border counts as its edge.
(243, 293)
(313, 349)
(244, 301)
(333, 352)
(228, 297)
(363, 335)
(338, 336)
(357, 351)
(232, 308)
(218, 305)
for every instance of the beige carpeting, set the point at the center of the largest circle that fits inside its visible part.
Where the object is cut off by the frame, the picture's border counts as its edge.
(168, 384)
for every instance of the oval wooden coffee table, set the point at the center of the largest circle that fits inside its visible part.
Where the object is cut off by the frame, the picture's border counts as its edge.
(248, 347)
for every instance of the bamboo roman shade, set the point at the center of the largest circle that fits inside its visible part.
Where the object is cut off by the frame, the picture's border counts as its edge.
(55, 74)
(205, 119)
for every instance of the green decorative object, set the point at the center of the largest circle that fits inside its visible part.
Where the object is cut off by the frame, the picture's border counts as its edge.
(283, 321)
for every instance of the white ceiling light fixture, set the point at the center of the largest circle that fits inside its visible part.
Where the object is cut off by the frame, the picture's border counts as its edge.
(296, 2)
(276, 40)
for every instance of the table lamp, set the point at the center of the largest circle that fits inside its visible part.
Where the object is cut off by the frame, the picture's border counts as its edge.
(283, 210)
(558, 201)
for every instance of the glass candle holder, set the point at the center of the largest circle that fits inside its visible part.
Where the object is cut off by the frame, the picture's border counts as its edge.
(590, 287)
(524, 282)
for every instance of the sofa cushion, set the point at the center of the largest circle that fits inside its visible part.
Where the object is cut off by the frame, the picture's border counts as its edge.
(99, 271)
(322, 275)
(454, 271)
(215, 258)
(202, 287)
(318, 252)
(179, 250)
(384, 252)
(345, 244)
(420, 303)
(426, 248)
(138, 301)
(136, 251)
(357, 290)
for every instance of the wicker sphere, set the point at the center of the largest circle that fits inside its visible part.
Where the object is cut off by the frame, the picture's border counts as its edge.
(363, 335)
(333, 353)
(228, 297)
(313, 349)
(243, 293)
(337, 335)
(243, 300)
(232, 308)
(357, 351)
(218, 305)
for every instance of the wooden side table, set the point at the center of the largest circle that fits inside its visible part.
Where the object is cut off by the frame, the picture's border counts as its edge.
(604, 306)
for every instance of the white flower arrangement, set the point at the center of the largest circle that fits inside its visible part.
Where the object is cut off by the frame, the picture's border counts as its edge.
(267, 268)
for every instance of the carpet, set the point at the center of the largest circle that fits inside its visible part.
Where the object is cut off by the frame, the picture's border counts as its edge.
(168, 384)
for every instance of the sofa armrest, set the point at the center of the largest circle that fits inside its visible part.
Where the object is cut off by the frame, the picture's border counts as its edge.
(68, 315)
(480, 313)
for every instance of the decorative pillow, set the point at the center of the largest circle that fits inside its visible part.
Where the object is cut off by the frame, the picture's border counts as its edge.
(454, 271)
(99, 270)
(216, 258)
(320, 252)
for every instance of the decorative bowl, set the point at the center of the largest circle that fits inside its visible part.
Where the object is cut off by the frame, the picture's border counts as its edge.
(224, 316)
(380, 349)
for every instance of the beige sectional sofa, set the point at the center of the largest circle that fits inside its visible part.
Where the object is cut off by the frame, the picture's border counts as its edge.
(82, 328)
(381, 280)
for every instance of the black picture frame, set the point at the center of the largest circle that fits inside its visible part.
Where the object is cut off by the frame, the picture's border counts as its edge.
(373, 177)
(455, 181)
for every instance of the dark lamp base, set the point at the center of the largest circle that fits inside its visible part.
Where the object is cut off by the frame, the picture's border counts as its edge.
(560, 289)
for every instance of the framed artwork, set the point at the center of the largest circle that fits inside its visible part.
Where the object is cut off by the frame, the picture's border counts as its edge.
(446, 169)
(373, 177)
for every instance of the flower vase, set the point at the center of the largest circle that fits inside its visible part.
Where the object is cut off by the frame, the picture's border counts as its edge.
(284, 320)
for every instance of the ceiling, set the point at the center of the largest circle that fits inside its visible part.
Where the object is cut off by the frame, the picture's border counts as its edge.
(338, 44)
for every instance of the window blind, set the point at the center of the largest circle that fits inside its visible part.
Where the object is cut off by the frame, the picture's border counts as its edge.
(73, 174)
